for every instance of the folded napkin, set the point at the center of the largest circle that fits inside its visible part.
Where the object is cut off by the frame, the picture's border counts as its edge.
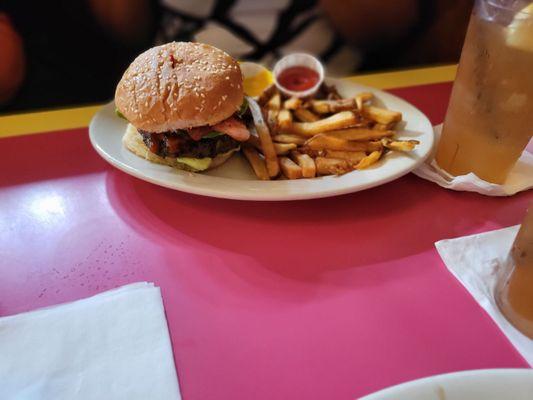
(475, 261)
(520, 178)
(112, 346)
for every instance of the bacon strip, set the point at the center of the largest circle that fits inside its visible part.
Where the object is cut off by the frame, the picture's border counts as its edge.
(197, 133)
(234, 128)
(231, 127)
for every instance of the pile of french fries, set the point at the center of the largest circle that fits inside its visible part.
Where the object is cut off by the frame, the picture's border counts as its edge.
(324, 135)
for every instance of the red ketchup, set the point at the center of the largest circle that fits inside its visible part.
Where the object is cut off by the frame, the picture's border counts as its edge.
(298, 79)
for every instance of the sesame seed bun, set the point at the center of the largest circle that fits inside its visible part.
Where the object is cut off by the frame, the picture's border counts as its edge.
(132, 140)
(179, 85)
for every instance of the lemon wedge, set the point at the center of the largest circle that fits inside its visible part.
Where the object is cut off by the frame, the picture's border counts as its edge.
(256, 78)
(520, 30)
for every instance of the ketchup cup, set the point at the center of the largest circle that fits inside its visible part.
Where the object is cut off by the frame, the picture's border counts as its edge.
(299, 60)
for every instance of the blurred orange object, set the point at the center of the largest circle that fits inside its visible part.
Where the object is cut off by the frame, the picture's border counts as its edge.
(13, 65)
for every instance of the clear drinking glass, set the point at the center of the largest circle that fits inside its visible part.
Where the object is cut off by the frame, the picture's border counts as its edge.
(514, 291)
(490, 115)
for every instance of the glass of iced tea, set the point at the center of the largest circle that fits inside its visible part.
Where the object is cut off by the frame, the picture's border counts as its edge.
(490, 115)
(514, 291)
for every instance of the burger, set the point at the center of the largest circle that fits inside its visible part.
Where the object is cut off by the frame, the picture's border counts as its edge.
(184, 102)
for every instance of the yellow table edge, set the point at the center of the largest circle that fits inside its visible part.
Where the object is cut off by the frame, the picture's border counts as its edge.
(78, 117)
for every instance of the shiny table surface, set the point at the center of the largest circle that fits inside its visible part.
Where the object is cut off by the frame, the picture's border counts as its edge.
(332, 298)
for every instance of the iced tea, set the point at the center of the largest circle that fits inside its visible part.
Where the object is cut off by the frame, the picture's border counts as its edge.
(514, 294)
(490, 116)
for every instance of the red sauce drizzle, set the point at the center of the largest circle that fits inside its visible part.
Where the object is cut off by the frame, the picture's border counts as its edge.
(298, 78)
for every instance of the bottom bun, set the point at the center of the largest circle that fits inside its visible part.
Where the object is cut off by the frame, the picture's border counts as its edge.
(133, 141)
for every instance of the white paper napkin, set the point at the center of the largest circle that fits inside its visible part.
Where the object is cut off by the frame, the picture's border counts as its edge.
(475, 261)
(112, 346)
(520, 178)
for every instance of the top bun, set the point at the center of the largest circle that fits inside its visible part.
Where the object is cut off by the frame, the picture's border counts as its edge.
(179, 85)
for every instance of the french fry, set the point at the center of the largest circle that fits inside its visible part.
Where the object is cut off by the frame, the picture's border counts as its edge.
(325, 142)
(399, 145)
(289, 138)
(284, 119)
(305, 115)
(275, 102)
(261, 127)
(364, 122)
(362, 98)
(272, 120)
(267, 94)
(282, 149)
(292, 104)
(372, 158)
(332, 166)
(289, 168)
(343, 119)
(332, 106)
(360, 134)
(257, 163)
(312, 153)
(330, 91)
(255, 142)
(382, 115)
(383, 127)
(306, 163)
(353, 157)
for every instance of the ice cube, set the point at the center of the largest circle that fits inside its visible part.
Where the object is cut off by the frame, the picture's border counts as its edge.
(519, 33)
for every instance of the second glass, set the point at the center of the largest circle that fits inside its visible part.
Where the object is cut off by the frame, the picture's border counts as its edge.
(514, 291)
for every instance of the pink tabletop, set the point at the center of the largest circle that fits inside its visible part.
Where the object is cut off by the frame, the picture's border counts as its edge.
(331, 298)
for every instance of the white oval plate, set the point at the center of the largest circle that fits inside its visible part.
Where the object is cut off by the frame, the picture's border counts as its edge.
(488, 384)
(235, 178)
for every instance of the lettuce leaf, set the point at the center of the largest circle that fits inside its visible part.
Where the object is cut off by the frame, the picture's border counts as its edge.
(212, 134)
(243, 108)
(119, 114)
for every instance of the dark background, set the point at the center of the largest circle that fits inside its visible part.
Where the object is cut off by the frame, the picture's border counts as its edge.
(72, 59)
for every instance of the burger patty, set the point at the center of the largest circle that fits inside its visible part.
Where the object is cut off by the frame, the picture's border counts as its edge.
(180, 144)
